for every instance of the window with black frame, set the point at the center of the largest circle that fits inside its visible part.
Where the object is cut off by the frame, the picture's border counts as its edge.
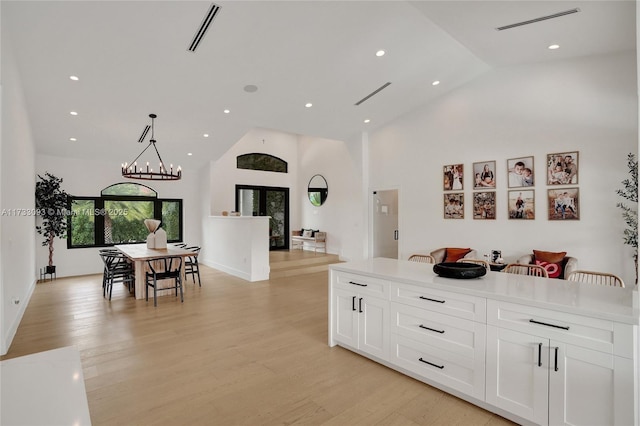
(117, 216)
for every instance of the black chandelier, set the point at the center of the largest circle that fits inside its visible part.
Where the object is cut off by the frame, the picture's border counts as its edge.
(133, 171)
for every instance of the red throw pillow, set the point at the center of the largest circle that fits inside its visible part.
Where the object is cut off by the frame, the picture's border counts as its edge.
(453, 254)
(551, 261)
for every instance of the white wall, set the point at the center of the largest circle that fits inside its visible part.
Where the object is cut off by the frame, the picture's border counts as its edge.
(341, 216)
(88, 178)
(17, 180)
(238, 246)
(339, 162)
(225, 175)
(588, 105)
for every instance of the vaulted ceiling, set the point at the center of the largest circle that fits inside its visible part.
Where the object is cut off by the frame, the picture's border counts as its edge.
(132, 59)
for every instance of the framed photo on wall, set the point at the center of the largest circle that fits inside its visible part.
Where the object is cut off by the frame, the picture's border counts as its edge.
(452, 177)
(522, 204)
(564, 204)
(562, 168)
(520, 172)
(484, 205)
(484, 175)
(454, 205)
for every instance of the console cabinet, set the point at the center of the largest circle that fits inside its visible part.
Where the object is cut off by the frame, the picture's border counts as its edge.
(558, 366)
(437, 336)
(361, 314)
(519, 346)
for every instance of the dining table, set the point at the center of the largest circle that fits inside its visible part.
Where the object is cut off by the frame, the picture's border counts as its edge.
(140, 254)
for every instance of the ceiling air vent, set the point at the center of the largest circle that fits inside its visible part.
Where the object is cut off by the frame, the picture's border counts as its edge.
(542, 18)
(211, 14)
(144, 133)
(375, 92)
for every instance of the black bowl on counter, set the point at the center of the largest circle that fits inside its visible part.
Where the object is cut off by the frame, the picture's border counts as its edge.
(459, 270)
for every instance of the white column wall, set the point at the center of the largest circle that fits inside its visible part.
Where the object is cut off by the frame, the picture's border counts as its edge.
(588, 105)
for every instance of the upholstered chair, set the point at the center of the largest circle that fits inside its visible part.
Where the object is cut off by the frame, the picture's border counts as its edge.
(567, 264)
(441, 255)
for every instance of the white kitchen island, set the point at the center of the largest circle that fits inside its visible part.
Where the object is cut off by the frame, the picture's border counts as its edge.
(534, 350)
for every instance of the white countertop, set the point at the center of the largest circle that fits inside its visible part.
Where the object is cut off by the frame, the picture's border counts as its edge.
(612, 303)
(46, 388)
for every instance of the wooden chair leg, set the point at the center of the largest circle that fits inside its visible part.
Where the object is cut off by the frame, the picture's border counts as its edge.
(155, 294)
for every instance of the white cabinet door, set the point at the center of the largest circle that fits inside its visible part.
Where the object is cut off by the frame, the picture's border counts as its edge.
(345, 319)
(518, 373)
(361, 322)
(587, 387)
(373, 319)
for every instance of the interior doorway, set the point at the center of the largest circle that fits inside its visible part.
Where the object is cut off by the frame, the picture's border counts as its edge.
(385, 233)
(267, 201)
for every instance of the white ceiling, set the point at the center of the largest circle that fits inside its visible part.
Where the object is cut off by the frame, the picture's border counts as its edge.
(132, 60)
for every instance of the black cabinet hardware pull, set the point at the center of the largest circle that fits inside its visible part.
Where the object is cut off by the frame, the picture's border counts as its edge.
(539, 354)
(431, 329)
(430, 363)
(432, 300)
(549, 325)
(555, 367)
(354, 283)
(353, 303)
(360, 305)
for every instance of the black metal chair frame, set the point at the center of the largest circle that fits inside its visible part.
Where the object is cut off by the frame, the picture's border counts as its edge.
(117, 269)
(172, 271)
(191, 266)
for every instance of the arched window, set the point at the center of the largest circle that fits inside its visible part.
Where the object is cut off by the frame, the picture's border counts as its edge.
(129, 189)
(264, 162)
(117, 216)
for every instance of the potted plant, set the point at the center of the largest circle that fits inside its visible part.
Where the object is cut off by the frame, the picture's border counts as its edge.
(51, 205)
(630, 214)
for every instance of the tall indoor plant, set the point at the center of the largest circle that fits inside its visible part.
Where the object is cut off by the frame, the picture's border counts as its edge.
(630, 214)
(51, 204)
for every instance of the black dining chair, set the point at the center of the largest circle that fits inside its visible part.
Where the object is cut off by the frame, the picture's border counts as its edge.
(191, 266)
(171, 270)
(117, 269)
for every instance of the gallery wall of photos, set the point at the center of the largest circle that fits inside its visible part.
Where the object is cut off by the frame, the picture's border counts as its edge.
(558, 182)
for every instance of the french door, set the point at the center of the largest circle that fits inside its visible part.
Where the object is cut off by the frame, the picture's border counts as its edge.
(267, 201)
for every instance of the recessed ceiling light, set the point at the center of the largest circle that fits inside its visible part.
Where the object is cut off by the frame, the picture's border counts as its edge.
(73, 113)
(308, 105)
(206, 135)
(367, 120)
(554, 46)
(435, 83)
(188, 153)
(73, 139)
(74, 77)
(380, 53)
(226, 111)
(250, 88)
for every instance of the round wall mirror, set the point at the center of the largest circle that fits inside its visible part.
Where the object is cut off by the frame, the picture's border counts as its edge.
(317, 190)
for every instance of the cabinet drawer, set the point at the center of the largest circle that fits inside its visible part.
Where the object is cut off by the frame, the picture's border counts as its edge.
(360, 284)
(462, 373)
(460, 336)
(454, 304)
(594, 333)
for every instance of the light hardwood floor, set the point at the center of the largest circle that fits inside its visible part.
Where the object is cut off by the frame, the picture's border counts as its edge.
(234, 353)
